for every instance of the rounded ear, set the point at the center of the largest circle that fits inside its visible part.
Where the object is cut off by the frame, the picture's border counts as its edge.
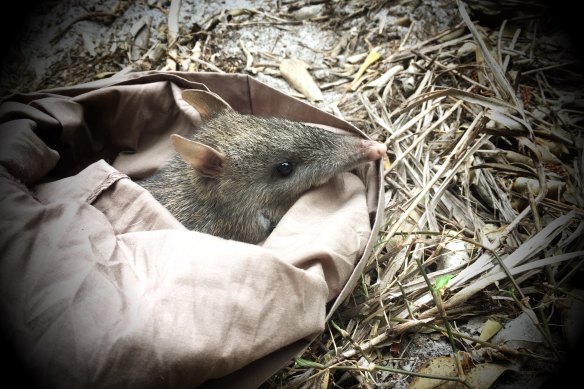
(204, 102)
(204, 159)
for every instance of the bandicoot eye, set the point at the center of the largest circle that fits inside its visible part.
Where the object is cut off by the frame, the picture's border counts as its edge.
(284, 169)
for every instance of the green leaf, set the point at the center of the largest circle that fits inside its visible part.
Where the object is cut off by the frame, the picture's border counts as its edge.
(301, 362)
(442, 281)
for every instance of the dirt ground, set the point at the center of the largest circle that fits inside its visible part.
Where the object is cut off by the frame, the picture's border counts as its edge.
(59, 43)
(69, 42)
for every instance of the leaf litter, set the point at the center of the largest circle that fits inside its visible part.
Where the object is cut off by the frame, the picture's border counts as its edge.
(476, 277)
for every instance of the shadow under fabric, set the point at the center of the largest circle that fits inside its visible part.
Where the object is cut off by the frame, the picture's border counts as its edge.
(102, 287)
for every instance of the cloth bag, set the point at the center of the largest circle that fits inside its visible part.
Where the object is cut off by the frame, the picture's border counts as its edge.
(102, 287)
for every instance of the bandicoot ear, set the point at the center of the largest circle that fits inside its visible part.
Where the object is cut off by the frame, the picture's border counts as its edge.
(206, 160)
(204, 102)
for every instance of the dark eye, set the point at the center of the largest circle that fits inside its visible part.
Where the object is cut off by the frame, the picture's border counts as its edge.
(284, 169)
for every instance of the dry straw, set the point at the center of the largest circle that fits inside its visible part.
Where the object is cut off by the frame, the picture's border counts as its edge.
(483, 197)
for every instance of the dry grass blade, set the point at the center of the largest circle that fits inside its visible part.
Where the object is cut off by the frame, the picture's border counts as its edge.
(463, 140)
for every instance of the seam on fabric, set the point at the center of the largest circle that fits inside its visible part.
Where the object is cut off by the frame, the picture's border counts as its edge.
(106, 183)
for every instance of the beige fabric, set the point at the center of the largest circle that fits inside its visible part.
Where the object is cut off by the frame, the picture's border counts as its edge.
(102, 287)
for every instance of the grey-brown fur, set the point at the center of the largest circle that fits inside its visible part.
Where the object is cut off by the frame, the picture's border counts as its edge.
(248, 197)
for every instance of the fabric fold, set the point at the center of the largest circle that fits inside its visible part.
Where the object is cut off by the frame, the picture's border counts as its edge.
(103, 287)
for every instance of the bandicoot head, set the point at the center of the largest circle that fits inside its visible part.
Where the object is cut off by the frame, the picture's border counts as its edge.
(238, 174)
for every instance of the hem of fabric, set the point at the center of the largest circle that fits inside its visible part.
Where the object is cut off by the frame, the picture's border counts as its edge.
(105, 184)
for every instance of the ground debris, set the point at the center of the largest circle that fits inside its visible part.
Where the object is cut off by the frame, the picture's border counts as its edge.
(482, 110)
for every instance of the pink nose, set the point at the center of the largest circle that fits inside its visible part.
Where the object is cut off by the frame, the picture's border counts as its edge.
(374, 150)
